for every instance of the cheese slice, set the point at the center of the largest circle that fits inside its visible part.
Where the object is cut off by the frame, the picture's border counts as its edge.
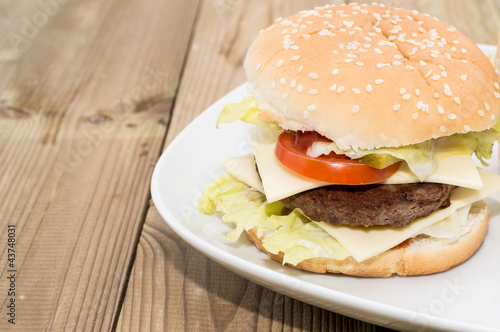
(279, 182)
(365, 242)
(244, 169)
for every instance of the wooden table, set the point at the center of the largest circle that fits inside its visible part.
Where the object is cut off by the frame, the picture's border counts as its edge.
(91, 93)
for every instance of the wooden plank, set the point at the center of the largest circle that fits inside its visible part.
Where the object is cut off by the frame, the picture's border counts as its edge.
(173, 287)
(87, 89)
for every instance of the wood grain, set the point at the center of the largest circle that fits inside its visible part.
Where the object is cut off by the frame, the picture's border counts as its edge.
(87, 89)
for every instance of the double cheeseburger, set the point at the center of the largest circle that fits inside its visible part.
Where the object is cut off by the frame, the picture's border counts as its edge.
(365, 120)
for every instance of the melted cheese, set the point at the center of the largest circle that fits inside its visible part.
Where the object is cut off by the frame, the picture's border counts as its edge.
(365, 242)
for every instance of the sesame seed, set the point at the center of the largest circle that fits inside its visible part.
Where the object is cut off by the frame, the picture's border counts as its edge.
(442, 128)
(463, 77)
(428, 73)
(496, 85)
(466, 128)
(356, 91)
(280, 63)
(463, 61)
(283, 81)
(377, 50)
(397, 63)
(306, 114)
(306, 35)
(497, 95)
(444, 74)
(402, 91)
(333, 87)
(313, 75)
(293, 83)
(452, 116)
(396, 107)
(295, 57)
(300, 69)
(313, 91)
(448, 92)
(436, 77)
(352, 56)
(440, 109)
(415, 116)
(359, 63)
(311, 108)
(379, 81)
(258, 66)
(273, 84)
(457, 100)
(480, 112)
(487, 106)
(409, 67)
(299, 88)
(335, 71)
(340, 89)
(422, 63)
(407, 96)
(369, 88)
(294, 47)
(436, 95)
(463, 50)
(335, 52)
(355, 109)
(417, 92)
(382, 65)
(347, 60)
(453, 48)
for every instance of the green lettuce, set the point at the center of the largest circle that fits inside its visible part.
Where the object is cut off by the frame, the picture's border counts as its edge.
(281, 229)
(246, 111)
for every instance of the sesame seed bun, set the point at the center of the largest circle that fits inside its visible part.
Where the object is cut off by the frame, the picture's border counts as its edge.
(369, 76)
(420, 255)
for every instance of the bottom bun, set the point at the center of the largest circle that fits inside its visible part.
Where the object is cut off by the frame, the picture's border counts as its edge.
(416, 256)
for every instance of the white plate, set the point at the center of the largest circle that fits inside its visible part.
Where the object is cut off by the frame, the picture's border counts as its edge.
(466, 297)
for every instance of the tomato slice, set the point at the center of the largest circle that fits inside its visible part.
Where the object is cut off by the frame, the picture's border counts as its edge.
(333, 168)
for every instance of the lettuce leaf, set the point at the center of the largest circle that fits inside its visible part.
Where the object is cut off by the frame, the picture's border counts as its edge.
(281, 229)
(246, 111)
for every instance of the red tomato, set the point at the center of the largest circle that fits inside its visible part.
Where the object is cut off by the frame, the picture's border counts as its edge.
(338, 169)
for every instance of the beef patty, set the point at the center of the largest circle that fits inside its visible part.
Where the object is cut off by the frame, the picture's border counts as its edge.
(390, 204)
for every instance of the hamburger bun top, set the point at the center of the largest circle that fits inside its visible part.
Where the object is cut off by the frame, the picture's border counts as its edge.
(369, 76)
